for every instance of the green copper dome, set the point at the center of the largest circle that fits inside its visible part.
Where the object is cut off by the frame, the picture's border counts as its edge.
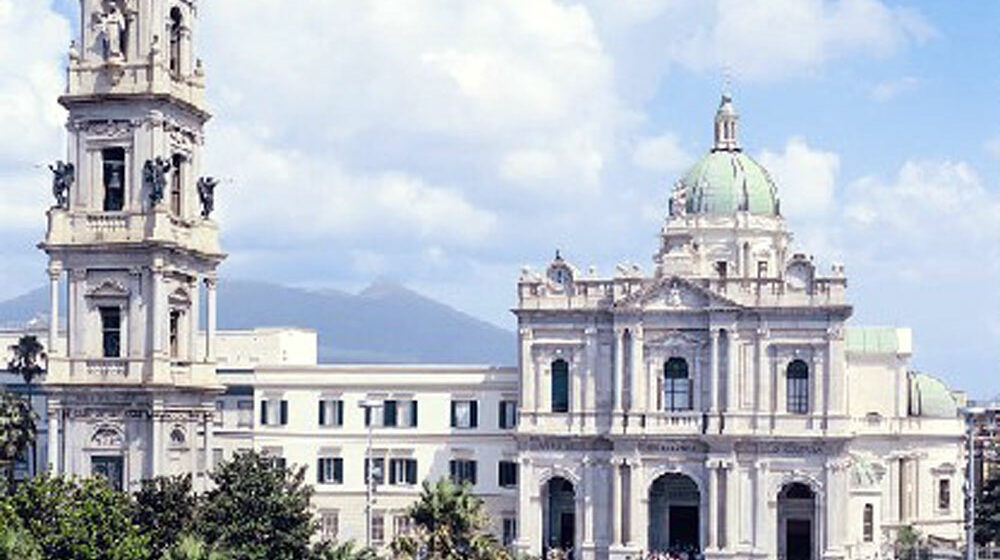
(729, 181)
(726, 180)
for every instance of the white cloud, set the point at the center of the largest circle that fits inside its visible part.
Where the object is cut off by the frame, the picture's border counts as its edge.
(806, 177)
(992, 146)
(661, 154)
(764, 39)
(891, 89)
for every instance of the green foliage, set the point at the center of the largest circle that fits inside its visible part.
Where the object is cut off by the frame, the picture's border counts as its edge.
(25, 362)
(15, 542)
(189, 547)
(258, 510)
(79, 519)
(907, 542)
(165, 508)
(449, 523)
(18, 429)
(343, 551)
(988, 511)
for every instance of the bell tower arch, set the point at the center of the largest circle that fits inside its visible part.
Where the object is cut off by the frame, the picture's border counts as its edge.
(131, 231)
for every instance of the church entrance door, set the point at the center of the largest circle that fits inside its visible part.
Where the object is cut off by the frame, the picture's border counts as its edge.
(559, 517)
(796, 522)
(674, 514)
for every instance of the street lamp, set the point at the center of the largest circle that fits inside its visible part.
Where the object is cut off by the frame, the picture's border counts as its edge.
(368, 406)
(970, 413)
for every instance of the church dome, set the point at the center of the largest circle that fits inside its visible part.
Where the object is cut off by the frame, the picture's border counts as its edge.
(726, 180)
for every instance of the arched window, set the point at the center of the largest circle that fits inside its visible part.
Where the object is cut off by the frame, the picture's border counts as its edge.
(676, 385)
(560, 386)
(798, 387)
(868, 523)
(175, 25)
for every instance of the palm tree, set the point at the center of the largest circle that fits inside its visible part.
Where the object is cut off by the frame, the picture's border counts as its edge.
(449, 523)
(28, 352)
(194, 548)
(17, 430)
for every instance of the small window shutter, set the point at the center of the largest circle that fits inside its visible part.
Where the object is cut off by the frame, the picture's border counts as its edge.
(322, 413)
(453, 468)
(263, 413)
(367, 469)
(503, 415)
(411, 471)
(340, 412)
(368, 418)
(454, 414)
(473, 413)
(319, 471)
(284, 412)
(389, 414)
(472, 472)
(393, 466)
(413, 414)
(338, 470)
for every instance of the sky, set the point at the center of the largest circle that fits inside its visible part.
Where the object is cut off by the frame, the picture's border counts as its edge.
(447, 144)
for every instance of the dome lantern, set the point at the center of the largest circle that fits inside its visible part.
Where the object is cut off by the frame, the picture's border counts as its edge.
(726, 122)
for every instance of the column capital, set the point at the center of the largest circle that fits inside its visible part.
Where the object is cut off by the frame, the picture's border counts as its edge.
(79, 273)
(55, 270)
(211, 282)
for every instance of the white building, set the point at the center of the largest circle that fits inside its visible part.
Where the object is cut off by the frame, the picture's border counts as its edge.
(718, 403)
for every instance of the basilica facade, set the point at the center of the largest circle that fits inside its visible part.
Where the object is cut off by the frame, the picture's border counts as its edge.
(718, 403)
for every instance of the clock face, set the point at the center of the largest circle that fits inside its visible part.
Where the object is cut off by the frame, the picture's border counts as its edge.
(559, 277)
(797, 277)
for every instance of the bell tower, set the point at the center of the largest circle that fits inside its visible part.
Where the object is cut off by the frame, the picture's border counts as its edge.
(132, 384)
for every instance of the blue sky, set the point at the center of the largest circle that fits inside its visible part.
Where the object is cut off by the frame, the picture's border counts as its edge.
(445, 144)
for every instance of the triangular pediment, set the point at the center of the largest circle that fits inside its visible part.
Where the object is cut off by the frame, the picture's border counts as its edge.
(675, 293)
(109, 288)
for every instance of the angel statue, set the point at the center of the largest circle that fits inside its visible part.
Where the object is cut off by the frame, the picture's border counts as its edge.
(111, 26)
(154, 175)
(206, 193)
(678, 200)
(63, 175)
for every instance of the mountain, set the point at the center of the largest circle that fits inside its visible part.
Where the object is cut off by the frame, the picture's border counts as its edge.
(385, 322)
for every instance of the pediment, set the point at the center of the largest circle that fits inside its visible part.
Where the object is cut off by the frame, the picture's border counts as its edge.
(675, 294)
(109, 288)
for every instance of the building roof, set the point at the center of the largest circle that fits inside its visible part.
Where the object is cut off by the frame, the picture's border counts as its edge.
(877, 340)
(929, 396)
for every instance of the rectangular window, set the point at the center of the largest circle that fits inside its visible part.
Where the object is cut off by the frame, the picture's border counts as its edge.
(406, 414)
(508, 415)
(331, 413)
(378, 528)
(507, 477)
(722, 268)
(761, 269)
(111, 331)
(868, 523)
(464, 414)
(176, 184)
(944, 494)
(113, 160)
(330, 470)
(401, 524)
(175, 322)
(509, 531)
(217, 457)
(274, 412)
(329, 524)
(462, 471)
(798, 395)
(109, 468)
(402, 472)
(244, 413)
(217, 419)
(392, 414)
(378, 473)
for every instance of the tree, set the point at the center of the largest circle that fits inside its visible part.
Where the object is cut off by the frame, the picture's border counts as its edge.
(258, 510)
(342, 551)
(17, 430)
(907, 542)
(988, 511)
(27, 354)
(79, 519)
(164, 510)
(189, 547)
(449, 523)
(15, 542)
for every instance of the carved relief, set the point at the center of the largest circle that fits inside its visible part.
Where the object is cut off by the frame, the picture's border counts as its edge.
(105, 129)
(107, 436)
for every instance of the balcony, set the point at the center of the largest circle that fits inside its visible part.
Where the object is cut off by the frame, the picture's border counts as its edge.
(89, 228)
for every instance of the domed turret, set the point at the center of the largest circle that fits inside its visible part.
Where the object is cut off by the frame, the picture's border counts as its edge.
(726, 180)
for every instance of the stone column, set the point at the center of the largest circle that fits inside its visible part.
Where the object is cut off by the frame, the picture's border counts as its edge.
(210, 303)
(732, 521)
(816, 406)
(764, 389)
(732, 379)
(714, 368)
(713, 505)
(638, 370)
(588, 502)
(590, 377)
(524, 513)
(616, 504)
(55, 271)
(159, 312)
(156, 450)
(619, 381)
(194, 320)
(209, 446)
(54, 414)
(633, 503)
(527, 371)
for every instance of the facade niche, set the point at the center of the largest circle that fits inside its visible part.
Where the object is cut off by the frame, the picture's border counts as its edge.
(113, 179)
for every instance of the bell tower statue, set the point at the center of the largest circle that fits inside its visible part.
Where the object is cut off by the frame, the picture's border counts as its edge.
(132, 385)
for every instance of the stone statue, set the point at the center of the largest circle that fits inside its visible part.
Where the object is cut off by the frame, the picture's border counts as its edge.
(111, 25)
(63, 176)
(206, 193)
(678, 200)
(154, 175)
